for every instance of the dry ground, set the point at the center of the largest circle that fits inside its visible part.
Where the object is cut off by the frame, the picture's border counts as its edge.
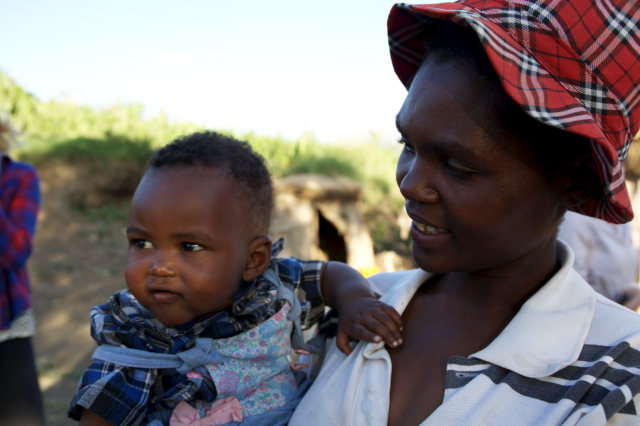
(77, 262)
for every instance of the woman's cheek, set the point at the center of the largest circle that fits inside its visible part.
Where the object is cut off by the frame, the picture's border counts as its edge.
(401, 169)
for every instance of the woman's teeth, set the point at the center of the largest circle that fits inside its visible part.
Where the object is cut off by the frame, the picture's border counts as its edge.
(428, 229)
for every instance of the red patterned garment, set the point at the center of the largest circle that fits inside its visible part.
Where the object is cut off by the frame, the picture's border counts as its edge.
(19, 203)
(570, 64)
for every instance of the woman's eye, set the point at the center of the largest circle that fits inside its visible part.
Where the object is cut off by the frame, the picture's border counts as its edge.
(142, 244)
(408, 148)
(191, 247)
(457, 171)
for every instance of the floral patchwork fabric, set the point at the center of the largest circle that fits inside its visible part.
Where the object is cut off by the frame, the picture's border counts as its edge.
(255, 369)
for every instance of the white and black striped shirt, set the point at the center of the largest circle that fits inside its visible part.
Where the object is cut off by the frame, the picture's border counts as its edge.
(569, 357)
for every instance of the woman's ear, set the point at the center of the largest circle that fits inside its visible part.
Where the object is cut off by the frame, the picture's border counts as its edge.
(258, 258)
(581, 181)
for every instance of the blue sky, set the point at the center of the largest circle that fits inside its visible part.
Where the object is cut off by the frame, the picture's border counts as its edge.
(269, 66)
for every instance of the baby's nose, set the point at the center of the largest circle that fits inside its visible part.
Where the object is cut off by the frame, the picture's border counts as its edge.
(162, 267)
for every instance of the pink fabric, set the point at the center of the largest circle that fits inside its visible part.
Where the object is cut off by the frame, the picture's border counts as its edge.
(193, 374)
(297, 366)
(223, 411)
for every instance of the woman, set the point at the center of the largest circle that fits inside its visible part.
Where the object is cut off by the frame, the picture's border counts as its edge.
(516, 112)
(20, 399)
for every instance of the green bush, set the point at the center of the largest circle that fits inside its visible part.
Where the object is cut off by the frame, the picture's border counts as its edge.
(372, 164)
(63, 131)
(20, 104)
(78, 149)
(57, 121)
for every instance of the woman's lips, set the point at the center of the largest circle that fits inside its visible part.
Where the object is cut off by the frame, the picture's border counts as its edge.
(428, 229)
(428, 237)
(164, 296)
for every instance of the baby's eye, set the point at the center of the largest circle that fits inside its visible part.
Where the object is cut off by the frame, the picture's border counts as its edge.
(141, 244)
(191, 247)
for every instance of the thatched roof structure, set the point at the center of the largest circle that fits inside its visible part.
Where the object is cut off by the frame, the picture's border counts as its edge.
(319, 218)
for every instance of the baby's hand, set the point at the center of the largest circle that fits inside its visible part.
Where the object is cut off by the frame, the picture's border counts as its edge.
(370, 320)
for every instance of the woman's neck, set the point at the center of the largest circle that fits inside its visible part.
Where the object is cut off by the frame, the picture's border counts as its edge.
(508, 285)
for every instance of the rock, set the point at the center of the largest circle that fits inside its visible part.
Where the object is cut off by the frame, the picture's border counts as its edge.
(89, 184)
(319, 188)
(319, 218)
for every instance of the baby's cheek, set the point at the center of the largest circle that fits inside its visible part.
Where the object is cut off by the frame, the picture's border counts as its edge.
(134, 273)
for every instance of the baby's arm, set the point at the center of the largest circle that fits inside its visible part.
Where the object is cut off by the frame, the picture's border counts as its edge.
(361, 315)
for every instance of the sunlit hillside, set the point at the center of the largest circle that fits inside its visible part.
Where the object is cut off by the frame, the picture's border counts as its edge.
(59, 130)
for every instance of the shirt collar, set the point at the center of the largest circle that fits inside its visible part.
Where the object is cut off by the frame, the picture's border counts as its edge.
(548, 332)
(131, 314)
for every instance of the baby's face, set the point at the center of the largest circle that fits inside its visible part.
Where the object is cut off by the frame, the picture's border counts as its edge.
(188, 243)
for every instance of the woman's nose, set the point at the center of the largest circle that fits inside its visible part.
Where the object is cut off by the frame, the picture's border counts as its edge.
(416, 183)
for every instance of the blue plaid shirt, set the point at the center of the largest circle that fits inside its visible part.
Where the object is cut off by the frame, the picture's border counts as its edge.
(125, 396)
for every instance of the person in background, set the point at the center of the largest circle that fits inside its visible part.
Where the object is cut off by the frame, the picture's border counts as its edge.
(605, 257)
(20, 399)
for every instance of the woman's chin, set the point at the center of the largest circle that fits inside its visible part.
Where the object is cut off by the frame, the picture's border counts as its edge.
(431, 261)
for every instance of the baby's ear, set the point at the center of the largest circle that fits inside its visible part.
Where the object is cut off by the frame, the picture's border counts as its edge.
(581, 181)
(258, 258)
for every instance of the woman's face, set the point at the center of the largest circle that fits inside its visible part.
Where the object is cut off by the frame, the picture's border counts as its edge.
(477, 198)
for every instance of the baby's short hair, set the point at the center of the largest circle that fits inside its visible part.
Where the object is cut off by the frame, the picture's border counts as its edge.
(241, 163)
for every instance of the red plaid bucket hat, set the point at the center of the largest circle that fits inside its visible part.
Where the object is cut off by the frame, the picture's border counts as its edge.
(572, 64)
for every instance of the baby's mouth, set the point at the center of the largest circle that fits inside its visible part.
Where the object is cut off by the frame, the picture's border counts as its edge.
(164, 296)
(428, 229)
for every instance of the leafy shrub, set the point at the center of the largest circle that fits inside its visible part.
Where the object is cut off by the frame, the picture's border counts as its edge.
(110, 148)
(65, 132)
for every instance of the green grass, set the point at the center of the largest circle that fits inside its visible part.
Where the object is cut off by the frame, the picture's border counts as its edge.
(63, 120)
(109, 214)
(103, 151)
(372, 163)
(59, 131)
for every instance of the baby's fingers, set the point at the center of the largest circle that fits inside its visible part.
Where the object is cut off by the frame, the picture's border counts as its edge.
(342, 342)
(393, 314)
(365, 333)
(376, 331)
(390, 332)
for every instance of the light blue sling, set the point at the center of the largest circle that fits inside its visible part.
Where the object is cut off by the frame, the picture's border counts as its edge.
(205, 352)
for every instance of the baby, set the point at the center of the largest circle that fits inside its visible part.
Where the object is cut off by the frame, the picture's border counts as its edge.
(203, 333)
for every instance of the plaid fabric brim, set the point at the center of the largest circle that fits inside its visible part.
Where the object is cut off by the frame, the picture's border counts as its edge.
(533, 51)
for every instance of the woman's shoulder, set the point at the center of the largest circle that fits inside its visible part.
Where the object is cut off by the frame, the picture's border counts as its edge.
(383, 281)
